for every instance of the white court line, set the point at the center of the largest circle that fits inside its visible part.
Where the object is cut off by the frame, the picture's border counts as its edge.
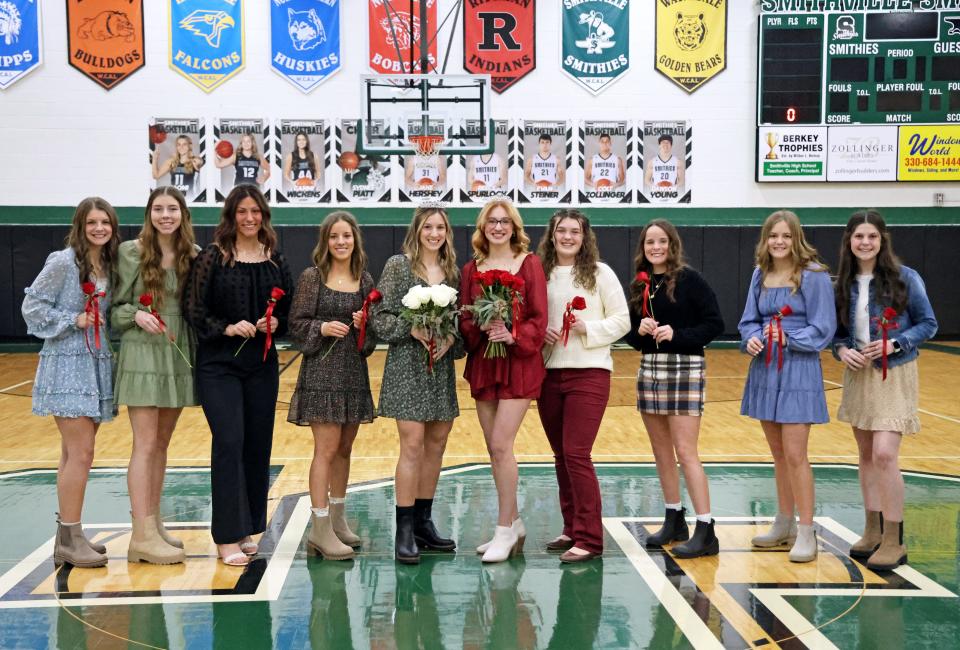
(3, 390)
(924, 411)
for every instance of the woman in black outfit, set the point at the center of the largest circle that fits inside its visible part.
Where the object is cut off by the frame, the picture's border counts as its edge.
(226, 301)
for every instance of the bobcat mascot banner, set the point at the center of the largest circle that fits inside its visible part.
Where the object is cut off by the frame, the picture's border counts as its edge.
(305, 40)
(20, 50)
(596, 41)
(395, 36)
(105, 39)
(691, 41)
(206, 40)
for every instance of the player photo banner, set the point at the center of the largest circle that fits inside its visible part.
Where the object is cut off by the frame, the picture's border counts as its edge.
(596, 41)
(364, 178)
(240, 153)
(605, 157)
(305, 40)
(105, 39)
(487, 176)
(691, 41)
(426, 176)
(304, 154)
(206, 40)
(20, 46)
(666, 149)
(499, 39)
(545, 156)
(177, 148)
(395, 38)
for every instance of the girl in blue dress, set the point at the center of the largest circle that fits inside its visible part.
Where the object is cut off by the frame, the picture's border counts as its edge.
(789, 317)
(74, 377)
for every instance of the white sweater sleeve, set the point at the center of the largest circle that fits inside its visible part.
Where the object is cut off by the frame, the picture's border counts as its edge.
(616, 316)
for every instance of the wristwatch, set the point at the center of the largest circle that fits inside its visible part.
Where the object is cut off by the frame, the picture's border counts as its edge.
(896, 347)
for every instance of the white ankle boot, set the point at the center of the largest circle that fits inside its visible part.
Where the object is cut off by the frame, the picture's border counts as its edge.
(517, 526)
(805, 548)
(783, 531)
(504, 545)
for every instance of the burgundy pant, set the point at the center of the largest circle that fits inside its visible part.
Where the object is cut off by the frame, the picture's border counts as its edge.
(571, 406)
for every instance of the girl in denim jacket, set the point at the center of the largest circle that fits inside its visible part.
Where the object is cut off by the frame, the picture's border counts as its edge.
(879, 403)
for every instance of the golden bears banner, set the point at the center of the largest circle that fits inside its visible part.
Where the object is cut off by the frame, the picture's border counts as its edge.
(395, 36)
(105, 39)
(691, 41)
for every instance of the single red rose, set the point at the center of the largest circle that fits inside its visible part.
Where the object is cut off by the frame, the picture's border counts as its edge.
(277, 293)
(578, 303)
(643, 277)
(374, 296)
(88, 288)
(786, 310)
(146, 300)
(889, 313)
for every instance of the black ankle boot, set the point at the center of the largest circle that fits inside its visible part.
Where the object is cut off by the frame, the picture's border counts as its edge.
(704, 542)
(406, 550)
(674, 529)
(425, 533)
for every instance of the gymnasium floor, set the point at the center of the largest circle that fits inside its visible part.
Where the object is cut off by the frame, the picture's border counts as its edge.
(630, 599)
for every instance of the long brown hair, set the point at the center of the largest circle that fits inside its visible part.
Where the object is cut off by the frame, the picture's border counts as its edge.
(519, 241)
(322, 258)
(152, 272)
(585, 263)
(805, 256)
(225, 236)
(676, 261)
(77, 240)
(446, 256)
(890, 288)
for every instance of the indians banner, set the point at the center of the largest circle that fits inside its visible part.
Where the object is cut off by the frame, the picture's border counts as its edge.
(691, 41)
(305, 40)
(20, 47)
(105, 39)
(499, 39)
(395, 36)
(206, 40)
(596, 42)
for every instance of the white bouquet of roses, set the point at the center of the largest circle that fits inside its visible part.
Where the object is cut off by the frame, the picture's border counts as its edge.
(432, 309)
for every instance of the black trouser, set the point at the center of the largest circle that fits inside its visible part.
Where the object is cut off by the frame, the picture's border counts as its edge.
(239, 397)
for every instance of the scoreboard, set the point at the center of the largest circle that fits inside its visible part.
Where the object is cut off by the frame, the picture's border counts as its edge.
(837, 75)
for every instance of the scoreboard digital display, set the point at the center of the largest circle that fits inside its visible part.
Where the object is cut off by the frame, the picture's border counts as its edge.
(853, 63)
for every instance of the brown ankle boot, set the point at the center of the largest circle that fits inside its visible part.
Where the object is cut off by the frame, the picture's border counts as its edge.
(99, 548)
(338, 520)
(71, 547)
(872, 535)
(146, 545)
(323, 540)
(892, 552)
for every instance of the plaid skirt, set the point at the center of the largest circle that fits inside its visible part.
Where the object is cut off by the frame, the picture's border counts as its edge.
(671, 384)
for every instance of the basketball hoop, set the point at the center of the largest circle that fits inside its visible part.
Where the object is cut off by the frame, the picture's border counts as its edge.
(426, 145)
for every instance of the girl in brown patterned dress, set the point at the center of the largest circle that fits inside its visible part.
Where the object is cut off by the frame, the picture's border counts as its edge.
(333, 389)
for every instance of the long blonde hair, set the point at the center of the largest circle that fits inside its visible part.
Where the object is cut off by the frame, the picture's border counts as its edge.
(321, 253)
(446, 256)
(151, 256)
(804, 256)
(519, 241)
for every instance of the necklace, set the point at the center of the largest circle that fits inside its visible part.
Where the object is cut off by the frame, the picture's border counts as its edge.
(657, 288)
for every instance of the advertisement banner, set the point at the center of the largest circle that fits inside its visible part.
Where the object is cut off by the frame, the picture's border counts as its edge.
(206, 40)
(862, 153)
(499, 39)
(666, 149)
(105, 39)
(305, 40)
(20, 43)
(606, 156)
(394, 36)
(177, 150)
(792, 153)
(595, 35)
(691, 45)
(929, 153)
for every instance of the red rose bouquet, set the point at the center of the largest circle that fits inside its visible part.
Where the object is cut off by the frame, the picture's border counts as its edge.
(147, 301)
(786, 310)
(92, 307)
(885, 322)
(500, 299)
(578, 304)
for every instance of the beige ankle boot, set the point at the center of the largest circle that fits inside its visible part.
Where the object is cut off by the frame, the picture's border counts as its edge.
(99, 548)
(872, 536)
(323, 540)
(71, 547)
(340, 526)
(146, 545)
(175, 542)
(892, 552)
(783, 531)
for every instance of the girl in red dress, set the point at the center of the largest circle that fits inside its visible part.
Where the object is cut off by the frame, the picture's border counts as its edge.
(504, 386)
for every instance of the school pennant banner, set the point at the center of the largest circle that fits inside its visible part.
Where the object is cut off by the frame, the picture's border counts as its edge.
(206, 40)
(305, 40)
(691, 41)
(105, 39)
(499, 39)
(394, 38)
(20, 46)
(596, 42)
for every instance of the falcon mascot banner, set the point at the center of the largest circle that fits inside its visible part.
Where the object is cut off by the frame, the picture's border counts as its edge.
(20, 48)
(206, 40)
(305, 40)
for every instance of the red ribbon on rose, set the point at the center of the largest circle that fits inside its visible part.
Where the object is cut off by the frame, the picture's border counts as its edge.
(275, 294)
(786, 310)
(886, 322)
(578, 303)
(92, 307)
(372, 297)
(146, 300)
(644, 278)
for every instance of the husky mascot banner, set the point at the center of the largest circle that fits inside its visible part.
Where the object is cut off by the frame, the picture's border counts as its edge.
(305, 40)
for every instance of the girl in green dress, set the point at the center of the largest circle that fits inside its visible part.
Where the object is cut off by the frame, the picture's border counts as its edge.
(154, 377)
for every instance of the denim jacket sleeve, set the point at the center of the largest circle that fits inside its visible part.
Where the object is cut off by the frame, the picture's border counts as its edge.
(817, 294)
(751, 322)
(922, 324)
